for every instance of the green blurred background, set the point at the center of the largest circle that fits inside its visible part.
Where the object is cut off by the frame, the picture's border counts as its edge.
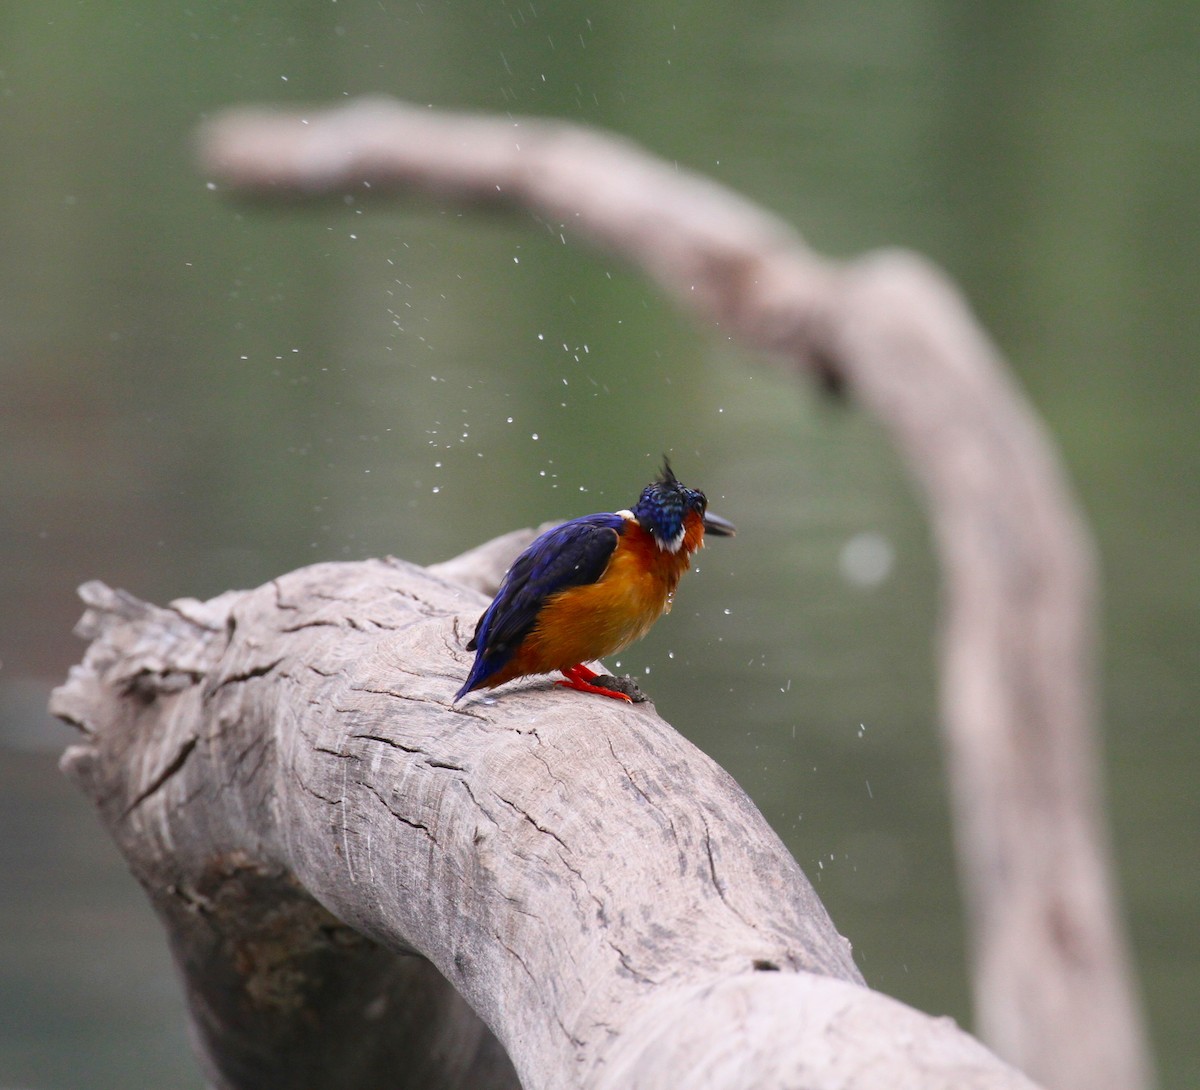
(197, 395)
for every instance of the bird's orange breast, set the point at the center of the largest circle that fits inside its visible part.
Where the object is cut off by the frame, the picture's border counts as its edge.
(581, 624)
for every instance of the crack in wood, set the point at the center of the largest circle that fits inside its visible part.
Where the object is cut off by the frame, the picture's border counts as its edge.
(410, 822)
(529, 818)
(718, 885)
(172, 767)
(391, 742)
(243, 675)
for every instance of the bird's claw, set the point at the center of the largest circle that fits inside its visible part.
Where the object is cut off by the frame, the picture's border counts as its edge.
(625, 685)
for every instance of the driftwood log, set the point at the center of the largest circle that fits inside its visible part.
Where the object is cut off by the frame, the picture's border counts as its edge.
(1052, 983)
(366, 886)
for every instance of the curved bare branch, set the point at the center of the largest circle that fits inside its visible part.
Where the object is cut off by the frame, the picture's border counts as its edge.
(1051, 963)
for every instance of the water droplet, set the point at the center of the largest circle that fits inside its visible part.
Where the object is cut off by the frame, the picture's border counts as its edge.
(866, 559)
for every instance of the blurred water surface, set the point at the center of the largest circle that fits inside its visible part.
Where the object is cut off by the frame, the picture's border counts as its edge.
(197, 395)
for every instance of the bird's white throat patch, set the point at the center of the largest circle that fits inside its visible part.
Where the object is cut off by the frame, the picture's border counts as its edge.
(671, 544)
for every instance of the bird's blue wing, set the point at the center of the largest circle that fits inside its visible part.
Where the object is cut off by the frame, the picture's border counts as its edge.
(570, 555)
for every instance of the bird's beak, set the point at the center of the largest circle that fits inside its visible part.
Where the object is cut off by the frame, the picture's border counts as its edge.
(717, 526)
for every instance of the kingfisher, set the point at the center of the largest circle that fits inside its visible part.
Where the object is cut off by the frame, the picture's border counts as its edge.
(589, 588)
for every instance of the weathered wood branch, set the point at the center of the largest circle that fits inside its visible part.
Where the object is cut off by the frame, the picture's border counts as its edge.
(1052, 983)
(307, 811)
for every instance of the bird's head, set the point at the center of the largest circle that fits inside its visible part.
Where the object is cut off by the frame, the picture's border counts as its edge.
(664, 506)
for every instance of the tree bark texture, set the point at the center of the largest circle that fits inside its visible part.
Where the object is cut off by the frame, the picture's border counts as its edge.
(366, 885)
(1052, 981)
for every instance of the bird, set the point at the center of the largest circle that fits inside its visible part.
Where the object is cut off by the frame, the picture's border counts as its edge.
(590, 587)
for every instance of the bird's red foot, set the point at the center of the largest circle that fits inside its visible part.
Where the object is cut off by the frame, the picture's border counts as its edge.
(581, 678)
